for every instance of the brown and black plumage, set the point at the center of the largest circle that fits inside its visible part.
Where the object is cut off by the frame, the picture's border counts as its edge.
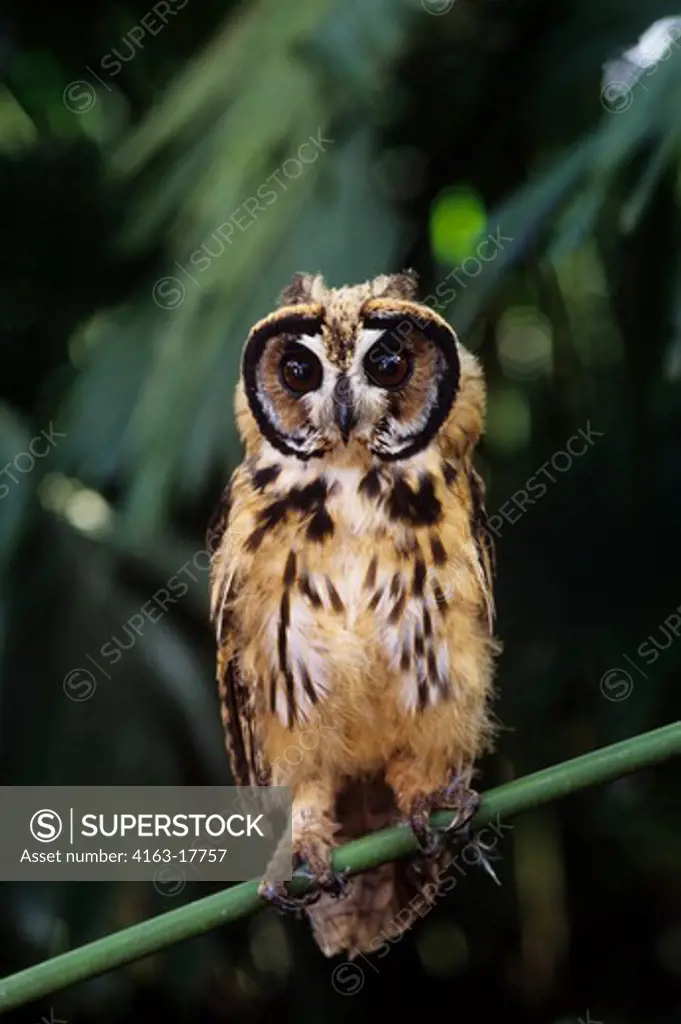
(352, 582)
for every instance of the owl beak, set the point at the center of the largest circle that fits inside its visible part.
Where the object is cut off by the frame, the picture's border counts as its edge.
(344, 409)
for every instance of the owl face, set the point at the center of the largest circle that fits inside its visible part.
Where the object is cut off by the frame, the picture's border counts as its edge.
(367, 366)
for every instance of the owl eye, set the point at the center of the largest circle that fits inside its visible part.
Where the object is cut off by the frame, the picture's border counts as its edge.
(387, 369)
(300, 370)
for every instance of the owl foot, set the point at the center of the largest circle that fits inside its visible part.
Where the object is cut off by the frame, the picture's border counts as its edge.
(333, 883)
(314, 860)
(313, 846)
(276, 894)
(456, 797)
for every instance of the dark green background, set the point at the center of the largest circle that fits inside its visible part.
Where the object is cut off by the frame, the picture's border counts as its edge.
(487, 118)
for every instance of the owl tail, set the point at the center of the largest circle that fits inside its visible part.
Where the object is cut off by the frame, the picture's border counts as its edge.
(376, 909)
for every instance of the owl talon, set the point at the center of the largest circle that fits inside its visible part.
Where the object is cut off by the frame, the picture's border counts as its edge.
(463, 800)
(484, 861)
(277, 895)
(457, 797)
(429, 840)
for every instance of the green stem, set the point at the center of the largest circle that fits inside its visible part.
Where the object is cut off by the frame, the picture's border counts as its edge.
(241, 900)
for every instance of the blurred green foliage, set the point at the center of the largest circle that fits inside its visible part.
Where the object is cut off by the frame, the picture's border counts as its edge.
(133, 264)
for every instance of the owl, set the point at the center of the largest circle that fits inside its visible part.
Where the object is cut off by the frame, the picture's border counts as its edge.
(351, 588)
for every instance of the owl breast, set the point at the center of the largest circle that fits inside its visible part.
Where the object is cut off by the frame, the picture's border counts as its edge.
(341, 608)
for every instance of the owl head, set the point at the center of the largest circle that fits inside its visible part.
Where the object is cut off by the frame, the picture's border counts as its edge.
(366, 365)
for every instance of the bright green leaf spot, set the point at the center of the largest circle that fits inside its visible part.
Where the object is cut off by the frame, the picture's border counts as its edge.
(458, 218)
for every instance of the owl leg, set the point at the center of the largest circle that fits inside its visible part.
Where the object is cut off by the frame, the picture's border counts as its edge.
(313, 831)
(457, 796)
(417, 795)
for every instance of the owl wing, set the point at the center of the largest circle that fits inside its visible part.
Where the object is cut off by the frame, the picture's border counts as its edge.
(486, 561)
(236, 697)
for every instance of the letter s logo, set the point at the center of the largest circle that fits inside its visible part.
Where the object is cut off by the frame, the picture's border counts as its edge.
(45, 826)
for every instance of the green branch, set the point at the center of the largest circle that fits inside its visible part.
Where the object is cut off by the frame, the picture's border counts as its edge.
(241, 900)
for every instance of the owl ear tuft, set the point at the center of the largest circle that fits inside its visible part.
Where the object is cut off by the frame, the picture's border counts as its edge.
(396, 286)
(303, 288)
